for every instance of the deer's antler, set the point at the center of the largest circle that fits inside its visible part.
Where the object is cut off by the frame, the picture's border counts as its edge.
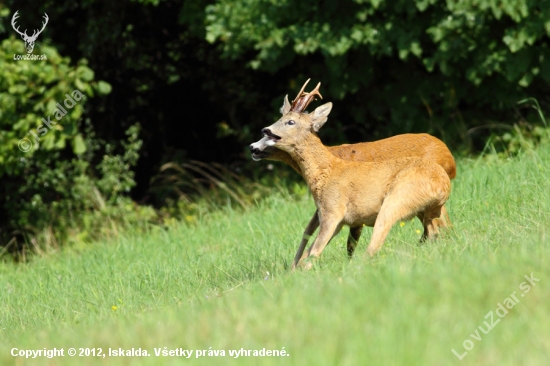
(24, 34)
(43, 24)
(13, 19)
(300, 103)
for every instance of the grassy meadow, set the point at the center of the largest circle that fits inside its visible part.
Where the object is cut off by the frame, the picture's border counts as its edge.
(224, 284)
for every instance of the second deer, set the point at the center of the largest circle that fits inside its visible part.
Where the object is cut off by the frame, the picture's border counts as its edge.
(400, 146)
(375, 194)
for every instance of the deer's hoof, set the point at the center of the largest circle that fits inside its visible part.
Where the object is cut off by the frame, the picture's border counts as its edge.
(371, 252)
(307, 263)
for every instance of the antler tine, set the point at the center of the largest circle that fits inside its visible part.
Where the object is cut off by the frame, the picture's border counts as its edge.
(36, 31)
(301, 90)
(304, 99)
(316, 90)
(46, 18)
(13, 19)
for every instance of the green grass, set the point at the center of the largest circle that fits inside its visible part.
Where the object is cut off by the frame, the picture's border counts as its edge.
(225, 284)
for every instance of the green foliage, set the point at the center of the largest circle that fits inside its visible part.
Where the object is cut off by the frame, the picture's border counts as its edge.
(117, 176)
(68, 201)
(424, 65)
(53, 193)
(493, 37)
(522, 136)
(29, 91)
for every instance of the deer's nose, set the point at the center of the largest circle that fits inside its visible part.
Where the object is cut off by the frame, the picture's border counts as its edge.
(252, 148)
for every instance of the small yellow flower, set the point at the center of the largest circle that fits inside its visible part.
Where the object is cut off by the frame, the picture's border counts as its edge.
(402, 224)
(418, 231)
(114, 308)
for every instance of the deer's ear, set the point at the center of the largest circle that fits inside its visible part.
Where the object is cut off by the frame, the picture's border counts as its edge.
(286, 106)
(320, 116)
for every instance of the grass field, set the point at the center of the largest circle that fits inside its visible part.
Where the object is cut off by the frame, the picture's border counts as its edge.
(225, 285)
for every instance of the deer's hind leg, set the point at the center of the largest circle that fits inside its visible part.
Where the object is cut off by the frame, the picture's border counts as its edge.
(353, 238)
(390, 212)
(444, 219)
(413, 195)
(441, 221)
(420, 216)
(431, 218)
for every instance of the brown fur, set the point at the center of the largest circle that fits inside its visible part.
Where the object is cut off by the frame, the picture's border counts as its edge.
(355, 193)
(405, 145)
(395, 147)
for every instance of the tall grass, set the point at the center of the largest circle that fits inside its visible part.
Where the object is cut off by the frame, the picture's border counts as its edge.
(224, 283)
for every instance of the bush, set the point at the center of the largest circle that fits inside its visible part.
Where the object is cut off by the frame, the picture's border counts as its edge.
(52, 190)
(423, 65)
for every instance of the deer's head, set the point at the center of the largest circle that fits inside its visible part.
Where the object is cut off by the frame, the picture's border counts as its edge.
(295, 125)
(264, 148)
(29, 40)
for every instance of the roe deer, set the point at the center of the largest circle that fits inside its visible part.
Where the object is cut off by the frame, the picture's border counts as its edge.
(400, 146)
(352, 193)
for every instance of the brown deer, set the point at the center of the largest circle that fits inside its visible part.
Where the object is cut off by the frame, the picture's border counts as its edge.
(353, 193)
(406, 145)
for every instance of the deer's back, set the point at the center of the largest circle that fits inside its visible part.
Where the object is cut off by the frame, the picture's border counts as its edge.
(419, 145)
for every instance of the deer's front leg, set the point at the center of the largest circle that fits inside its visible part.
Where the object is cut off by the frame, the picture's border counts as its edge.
(310, 229)
(330, 226)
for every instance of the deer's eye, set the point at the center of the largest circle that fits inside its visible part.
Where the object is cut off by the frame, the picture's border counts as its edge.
(291, 122)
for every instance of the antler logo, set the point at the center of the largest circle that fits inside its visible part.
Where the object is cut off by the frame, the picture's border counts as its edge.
(29, 40)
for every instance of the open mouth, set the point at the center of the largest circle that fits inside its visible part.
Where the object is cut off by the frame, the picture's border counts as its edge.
(258, 154)
(260, 150)
(271, 137)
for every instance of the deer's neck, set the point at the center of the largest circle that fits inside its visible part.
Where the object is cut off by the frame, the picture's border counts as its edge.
(315, 162)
